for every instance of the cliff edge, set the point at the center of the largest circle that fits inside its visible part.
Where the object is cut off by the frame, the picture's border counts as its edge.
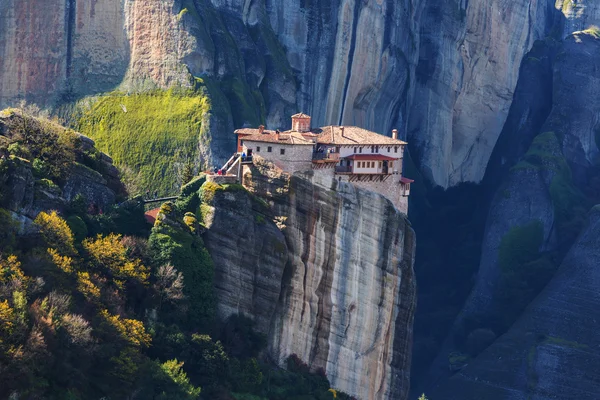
(326, 271)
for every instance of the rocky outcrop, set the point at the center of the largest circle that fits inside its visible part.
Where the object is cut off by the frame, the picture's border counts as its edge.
(552, 351)
(26, 193)
(574, 115)
(333, 283)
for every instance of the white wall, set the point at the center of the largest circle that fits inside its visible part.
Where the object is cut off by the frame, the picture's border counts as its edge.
(346, 151)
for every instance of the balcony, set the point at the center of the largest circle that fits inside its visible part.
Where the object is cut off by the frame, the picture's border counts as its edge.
(326, 157)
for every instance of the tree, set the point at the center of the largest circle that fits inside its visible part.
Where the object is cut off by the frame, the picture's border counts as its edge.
(188, 173)
(56, 232)
(169, 284)
(110, 253)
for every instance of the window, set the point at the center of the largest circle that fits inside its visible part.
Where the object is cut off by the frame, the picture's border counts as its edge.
(372, 164)
(372, 149)
(360, 149)
(380, 164)
(389, 149)
(395, 149)
(391, 164)
(258, 149)
(355, 150)
(376, 149)
(269, 149)
(282, 151)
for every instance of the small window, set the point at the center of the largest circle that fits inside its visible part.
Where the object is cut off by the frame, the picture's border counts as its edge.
(355, 150)
(258, 149)
(391, 164)
(360, 149)
(282, 151)
(269, 149)
(372, 164)
(380, 164)
(376, 149)
(395, 149)
(389, 149)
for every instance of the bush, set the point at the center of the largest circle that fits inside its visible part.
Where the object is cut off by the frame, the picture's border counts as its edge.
(78, 227)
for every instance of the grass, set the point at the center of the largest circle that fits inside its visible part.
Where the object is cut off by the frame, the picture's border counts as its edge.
(150, 135)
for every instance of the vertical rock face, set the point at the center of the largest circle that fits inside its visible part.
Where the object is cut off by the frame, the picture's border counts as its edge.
(33, 50)
(354, 59)
(575, 115)
(552, 351)
(336, 284)
(442, 72)
(468, 70)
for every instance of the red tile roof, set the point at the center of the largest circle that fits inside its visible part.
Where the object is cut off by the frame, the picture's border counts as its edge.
(151, 215)
(352, 135)
(377, 157)
(301, 115)
(406, 180)
(288, 137)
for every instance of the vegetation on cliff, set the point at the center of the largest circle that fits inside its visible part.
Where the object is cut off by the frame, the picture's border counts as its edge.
(151, 136)
(98, 304)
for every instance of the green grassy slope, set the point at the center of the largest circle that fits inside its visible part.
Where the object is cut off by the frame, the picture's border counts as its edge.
(149, 135)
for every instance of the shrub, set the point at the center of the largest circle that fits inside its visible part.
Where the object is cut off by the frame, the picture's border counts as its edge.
(78, 227)
(56, 232)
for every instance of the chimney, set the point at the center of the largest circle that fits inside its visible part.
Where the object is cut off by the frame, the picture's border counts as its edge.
(342, 129)
(261, 129)
(277, 134)
(395, 134)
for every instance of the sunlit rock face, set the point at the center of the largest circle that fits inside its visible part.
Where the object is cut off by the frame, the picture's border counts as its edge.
(333, 284)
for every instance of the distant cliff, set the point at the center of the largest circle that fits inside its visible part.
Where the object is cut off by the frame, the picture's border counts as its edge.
(327, 272)
(444, 73)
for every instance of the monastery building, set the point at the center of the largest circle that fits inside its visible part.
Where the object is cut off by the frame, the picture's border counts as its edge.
(346, 153)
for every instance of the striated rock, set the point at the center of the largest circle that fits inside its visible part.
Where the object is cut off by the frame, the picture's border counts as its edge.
(468, 69)
(336, 285)
(552, 351)
(574, 115)
(250, 254)
(354, 59)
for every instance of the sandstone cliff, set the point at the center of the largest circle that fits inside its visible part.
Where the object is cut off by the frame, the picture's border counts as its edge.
(330, 280)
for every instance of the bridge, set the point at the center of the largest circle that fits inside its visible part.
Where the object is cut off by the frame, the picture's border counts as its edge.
(161, 199)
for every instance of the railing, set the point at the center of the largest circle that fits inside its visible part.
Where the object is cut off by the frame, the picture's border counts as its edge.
(326, 156)
(343, 169)
(230, 162)
(247, 159)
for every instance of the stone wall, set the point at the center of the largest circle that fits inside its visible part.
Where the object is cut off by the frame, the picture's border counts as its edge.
(296, 158)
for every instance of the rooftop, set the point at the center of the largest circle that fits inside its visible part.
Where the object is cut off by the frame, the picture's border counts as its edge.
(301, 115)
(335, 135)
(352, 135)
(288, 137)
